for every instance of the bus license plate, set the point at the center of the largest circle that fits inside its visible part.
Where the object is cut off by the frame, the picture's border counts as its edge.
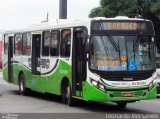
(128, 94)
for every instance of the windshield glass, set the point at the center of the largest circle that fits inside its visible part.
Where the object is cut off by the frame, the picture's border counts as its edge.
(117, 53)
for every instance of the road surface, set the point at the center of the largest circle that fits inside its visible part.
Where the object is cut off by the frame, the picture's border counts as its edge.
(12, 102)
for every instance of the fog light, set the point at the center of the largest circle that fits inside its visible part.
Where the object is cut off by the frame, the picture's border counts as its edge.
(102, 87)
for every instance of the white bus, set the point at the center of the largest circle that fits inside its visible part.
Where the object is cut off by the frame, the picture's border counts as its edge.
(99, 59)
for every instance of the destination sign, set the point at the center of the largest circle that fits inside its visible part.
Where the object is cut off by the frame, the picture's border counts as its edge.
(118, 26)
(122, 25)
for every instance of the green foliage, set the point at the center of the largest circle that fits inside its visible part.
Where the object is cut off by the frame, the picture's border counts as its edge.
(155, 6)
(112, 8)
(149, 9)
(97, 12)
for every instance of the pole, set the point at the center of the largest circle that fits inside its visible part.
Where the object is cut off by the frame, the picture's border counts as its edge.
(63, 9)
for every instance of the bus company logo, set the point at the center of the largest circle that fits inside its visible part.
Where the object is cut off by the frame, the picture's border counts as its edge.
(128, 79)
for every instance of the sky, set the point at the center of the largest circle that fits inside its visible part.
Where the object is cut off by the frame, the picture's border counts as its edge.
(21, 13)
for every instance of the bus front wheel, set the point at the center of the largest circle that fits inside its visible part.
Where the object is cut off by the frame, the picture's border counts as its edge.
(22, 88)
(67, 95)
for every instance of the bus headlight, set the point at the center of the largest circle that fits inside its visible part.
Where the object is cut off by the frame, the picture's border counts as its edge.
(98, 85)
(94, 83)
(154, 81)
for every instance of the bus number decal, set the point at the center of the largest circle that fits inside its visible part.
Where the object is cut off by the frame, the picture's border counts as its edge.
(45, 63)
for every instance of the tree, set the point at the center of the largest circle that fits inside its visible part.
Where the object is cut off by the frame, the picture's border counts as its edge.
(148, 9)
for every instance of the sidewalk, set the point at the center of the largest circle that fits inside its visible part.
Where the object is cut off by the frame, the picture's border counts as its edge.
(1, 79)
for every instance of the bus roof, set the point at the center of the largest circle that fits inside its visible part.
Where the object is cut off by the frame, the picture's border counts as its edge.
(64, 23)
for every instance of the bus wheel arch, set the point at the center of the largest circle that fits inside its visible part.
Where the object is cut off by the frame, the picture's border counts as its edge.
(66, 92)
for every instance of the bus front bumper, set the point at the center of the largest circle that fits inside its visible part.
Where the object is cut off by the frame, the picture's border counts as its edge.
(92, 93)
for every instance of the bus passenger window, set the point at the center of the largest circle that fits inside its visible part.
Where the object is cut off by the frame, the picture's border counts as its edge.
(46, 43)
(18, 44)
(26, 43)
(6, 44)
(65, 42)
(54, 46)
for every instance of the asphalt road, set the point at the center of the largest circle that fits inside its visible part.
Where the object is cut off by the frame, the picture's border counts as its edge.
(12, 102)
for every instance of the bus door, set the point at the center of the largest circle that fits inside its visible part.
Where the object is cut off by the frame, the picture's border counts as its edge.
(10, 59)
(78, 59)
(36, 48)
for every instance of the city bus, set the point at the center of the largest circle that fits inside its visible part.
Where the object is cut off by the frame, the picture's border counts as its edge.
(97, 59)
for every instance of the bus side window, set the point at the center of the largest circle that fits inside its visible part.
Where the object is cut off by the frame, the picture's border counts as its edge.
(54, 46)
(6, 44)
(65, 42)
(26, 43)
(18, 44)
(46, 43)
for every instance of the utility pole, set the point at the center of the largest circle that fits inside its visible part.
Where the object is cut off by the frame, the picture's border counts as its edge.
(47, 17)
(62, 9)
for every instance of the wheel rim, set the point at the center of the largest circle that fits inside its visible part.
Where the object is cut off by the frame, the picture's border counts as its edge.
(21, 85)
(67, 92)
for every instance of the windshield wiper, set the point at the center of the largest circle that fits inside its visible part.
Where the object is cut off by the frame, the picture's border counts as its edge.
(135, 48)
(135, 45)
(111, 39)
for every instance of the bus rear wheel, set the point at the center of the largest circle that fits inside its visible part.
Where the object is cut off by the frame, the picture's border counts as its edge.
(67, 95)
(121, 104)
(22, 87)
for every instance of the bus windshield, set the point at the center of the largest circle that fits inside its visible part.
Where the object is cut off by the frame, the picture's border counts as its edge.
(122, 53)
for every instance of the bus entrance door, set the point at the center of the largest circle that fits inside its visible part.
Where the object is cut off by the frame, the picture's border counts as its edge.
(36, 46)
(10, 59)
(78, 60)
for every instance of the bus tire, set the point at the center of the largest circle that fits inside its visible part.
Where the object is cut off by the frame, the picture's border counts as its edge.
(22, 85)
(121, 104)
(67, 95)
